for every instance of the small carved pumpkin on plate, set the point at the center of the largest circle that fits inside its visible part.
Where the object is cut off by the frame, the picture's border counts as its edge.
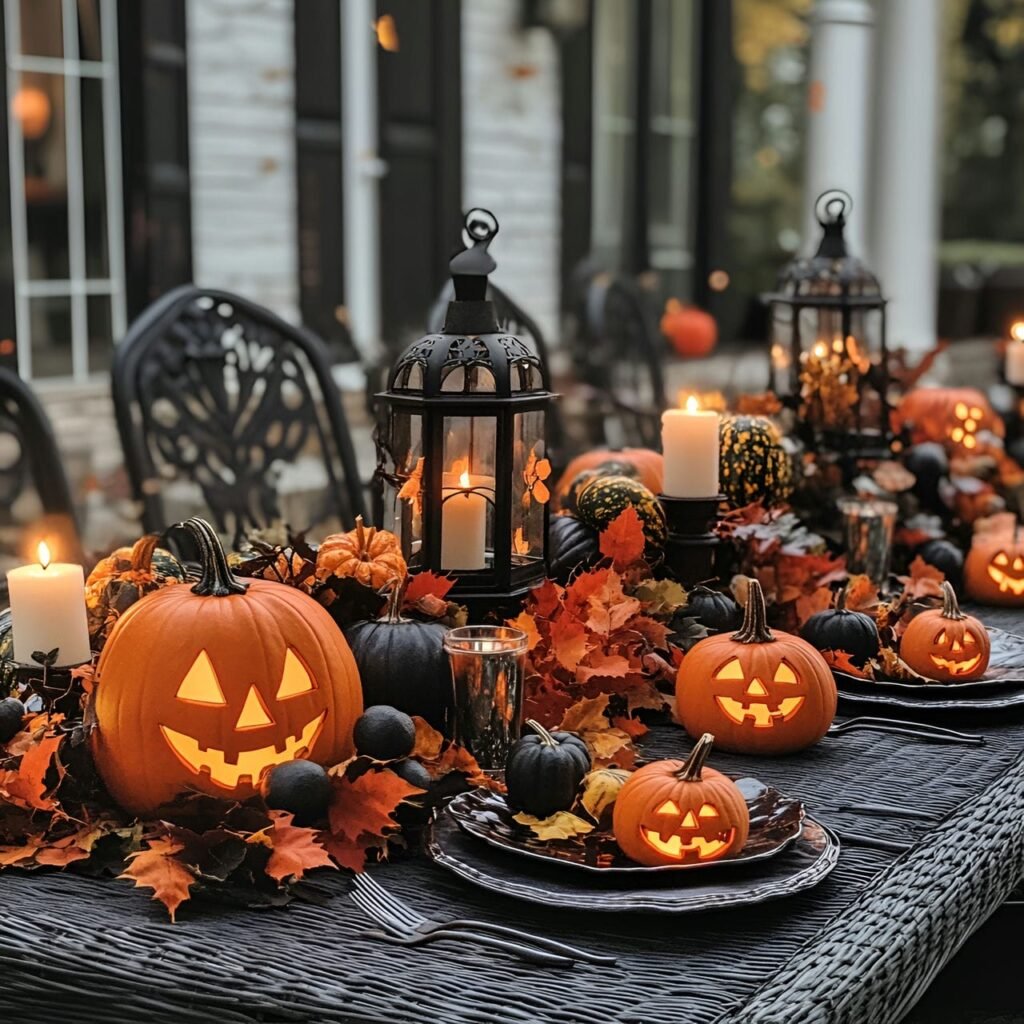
(209, 686)
(945, 644)
(994, 570)
(680, 812)
(761, 692)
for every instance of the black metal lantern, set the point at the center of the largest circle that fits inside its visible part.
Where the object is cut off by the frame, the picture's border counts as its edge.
(461, 453)
(829, 361)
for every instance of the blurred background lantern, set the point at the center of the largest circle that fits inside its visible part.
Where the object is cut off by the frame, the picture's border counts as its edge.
(829, 361)
(461, 453)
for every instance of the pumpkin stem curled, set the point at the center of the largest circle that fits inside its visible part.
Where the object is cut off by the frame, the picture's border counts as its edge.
(755, 618)
(545, 737)
(217, 579)
(950, 605)
(142, 552)
(694, 764)
(393, 613)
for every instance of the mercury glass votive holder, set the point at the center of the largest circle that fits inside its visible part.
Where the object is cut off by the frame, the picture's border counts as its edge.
(868, 525)
(488, 667)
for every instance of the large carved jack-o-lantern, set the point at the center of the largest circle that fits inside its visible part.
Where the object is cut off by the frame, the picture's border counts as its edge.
(679, 812)
(961, 419)
(759, 692)
(207, 687)
(944, 643)
(994, 569)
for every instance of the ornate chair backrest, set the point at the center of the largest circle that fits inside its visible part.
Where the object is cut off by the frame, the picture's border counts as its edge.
(29, 461)
(218, 392)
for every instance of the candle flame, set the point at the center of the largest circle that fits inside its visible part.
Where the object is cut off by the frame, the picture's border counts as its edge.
(464, 481)
(820, 349)
(1017, 331)
(43, 552)
(691, 404)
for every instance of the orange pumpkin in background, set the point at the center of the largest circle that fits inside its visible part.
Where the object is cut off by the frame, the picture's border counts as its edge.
(208, 687)
(642, 464)
(958, 418)
(945, 644)
(759, 692)
(994, 568)
(371, 556)
(692, 332)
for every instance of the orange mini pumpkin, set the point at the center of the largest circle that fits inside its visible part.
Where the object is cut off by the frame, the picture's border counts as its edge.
(207, 687)
(954, 417)
(680, 812)
(643, 464)
(692, 331)
(371, 556)
(945, 644)
(994, 569)
(760, 692)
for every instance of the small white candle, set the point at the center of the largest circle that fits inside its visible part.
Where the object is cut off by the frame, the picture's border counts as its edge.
(463, 527)
(689, 440)
(48, 610)
(1014, 365)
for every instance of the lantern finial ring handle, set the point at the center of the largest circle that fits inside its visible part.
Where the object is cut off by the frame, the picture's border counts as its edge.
(833, 206)
(479, 227)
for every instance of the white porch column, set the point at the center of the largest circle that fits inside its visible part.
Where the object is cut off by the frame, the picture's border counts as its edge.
(838, 102)
(361, 169)
(906, 201)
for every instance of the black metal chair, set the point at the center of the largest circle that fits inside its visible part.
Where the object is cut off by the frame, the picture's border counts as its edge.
(216, 390)
(617, 352)
(29, 458)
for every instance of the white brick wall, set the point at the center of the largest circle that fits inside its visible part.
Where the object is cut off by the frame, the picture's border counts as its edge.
(242, 139)
(511, 149)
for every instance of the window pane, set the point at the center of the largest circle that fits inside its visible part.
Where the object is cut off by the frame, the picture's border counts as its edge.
(41, 28)
(101, 342)
(38, 104)
(51, 336)
(89, 44)
(94, 183)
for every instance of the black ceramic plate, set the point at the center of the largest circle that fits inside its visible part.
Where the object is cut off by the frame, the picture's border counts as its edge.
(775, 822)
(802, 865)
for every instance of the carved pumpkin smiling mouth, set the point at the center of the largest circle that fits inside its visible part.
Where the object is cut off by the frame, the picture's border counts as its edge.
(755, 703)
(1008, 583)
(670, 841)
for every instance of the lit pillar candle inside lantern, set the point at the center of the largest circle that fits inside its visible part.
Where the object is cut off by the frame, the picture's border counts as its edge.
(689, 440)
(48, 610)
(1014, 365)
(463, 527)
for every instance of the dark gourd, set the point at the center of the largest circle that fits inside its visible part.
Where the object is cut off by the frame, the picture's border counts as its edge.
(301, 787)
(601, 501)
(930, 465)
(8, 666)
(572, 545)
(840, 629)
(413, 772)
(945, 556)
(402, 663)
(715, 610)
(753, 463)
(385, 733)
(12, 711)
(544, 770)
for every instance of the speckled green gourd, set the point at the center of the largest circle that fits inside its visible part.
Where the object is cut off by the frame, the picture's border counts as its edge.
(754, 464)
(605, 497)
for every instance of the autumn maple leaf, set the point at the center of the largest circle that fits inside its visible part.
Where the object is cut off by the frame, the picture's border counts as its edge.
(623, 539)
(158, 869)
(295, 849)
(426, 584)
(26, 786)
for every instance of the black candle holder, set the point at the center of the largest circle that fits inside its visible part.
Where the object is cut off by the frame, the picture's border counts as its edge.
(691, 544)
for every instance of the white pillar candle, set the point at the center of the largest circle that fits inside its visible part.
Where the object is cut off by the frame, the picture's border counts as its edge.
(1014, 365)
(463, 527)
(689, 440)
(48, 610)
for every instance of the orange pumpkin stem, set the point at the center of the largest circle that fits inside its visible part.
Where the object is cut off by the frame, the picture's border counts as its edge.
(142, 552)
(755, 618)
(545, 737)
(694, 764)
(393, 614)
(950, 605)
(217, 579)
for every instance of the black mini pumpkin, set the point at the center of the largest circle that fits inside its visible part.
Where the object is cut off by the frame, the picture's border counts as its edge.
(572, 545)
(544, 770)
(840, 629)
(402, 662)
(945, 556)
(385, 733)
(715, 610)
(301, 787)
(605, 497)
(930, 465)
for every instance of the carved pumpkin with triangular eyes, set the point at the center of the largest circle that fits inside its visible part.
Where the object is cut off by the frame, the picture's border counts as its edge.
(208, 687)
(945, 644)
(994, 569)
(758, 691)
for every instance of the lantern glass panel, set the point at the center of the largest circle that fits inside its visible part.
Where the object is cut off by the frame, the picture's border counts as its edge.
(530, 477)
(403, 499)
(468, 492)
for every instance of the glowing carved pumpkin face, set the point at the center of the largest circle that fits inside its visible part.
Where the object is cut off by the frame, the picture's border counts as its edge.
(946, 644)
(957, 655)
(1006, 571)
(205, 688)
(966, 421)
(763, 705)
(961, 419)
(685, 835)
(994, 569)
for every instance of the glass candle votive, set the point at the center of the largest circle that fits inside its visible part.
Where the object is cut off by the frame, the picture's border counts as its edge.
(868, 525)
(488, 666)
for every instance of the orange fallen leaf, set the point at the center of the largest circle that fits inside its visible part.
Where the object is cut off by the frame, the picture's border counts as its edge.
(426, 584)
(295, 849)
(156, 868)
(623, 539)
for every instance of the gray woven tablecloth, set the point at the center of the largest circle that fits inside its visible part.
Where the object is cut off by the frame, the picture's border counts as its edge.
(860, 947)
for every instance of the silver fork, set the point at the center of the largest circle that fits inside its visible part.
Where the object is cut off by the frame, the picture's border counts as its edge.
(393, 931)
(415, 921)
(921, 730)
